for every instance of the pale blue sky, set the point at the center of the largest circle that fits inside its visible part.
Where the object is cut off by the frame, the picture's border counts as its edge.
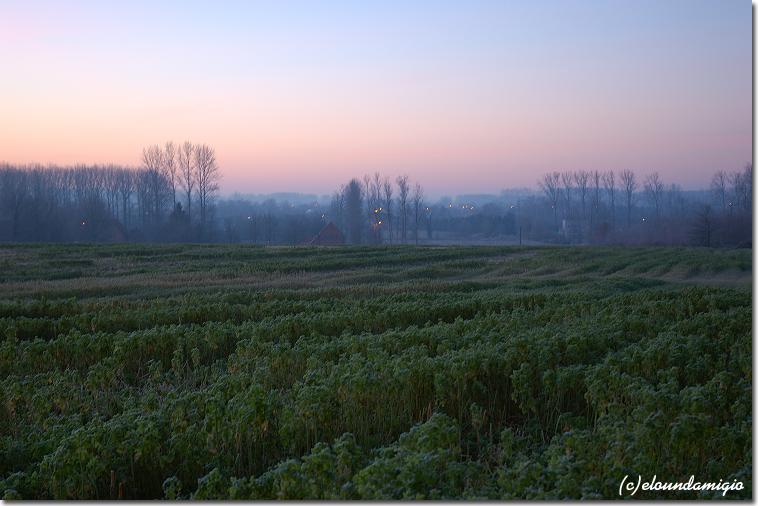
(299, 95)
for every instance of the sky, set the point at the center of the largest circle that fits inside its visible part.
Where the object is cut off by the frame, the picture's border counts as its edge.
(464, 97)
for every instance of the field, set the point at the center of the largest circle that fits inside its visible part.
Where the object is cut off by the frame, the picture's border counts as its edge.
(482, 372)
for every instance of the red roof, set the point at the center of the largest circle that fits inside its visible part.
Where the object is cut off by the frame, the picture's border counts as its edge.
(330, 235)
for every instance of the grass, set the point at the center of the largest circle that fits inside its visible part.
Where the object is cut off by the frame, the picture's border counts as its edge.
(244, 372)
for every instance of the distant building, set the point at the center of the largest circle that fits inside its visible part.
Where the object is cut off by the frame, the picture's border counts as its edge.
(330, 235)
(571, 230)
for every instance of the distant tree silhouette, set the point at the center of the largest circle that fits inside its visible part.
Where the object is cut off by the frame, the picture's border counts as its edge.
(372, 189)
(719, 184)
(337, 208)
(609, 182)
(354, 210)
(654, 192)
(595, 178)
(187, 181)
(629, 182)
(418, 202)
(567, 178)
(702, 228)
(115, 203)
(171, 170)
(582, 180)
(207, 177)
(125, 183)
(551, 186)
(155, 184)
(14, 192)
(403, 190)
(742, 188)
(387, 193)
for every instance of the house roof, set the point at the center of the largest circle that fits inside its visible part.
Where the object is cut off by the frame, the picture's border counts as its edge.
(330, 235)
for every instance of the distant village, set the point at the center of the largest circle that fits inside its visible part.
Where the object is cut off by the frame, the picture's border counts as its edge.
(174, 197)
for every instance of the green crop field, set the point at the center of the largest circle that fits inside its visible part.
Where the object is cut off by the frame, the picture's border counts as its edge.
(203, 371)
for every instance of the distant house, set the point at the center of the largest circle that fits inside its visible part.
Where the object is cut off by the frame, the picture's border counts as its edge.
(330, 235)
(571, 230)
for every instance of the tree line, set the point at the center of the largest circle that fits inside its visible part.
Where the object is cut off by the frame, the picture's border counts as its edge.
(369, 210)
(173, 196)
(365, 209)
(168, 197)
(593, 206)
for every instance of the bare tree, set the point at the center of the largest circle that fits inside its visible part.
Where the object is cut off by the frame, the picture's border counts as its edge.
(596, 178)
(703, 227)
(372, 189)
(142, 192)
(719, 189)
(125, 189)
(159, 193)
(654, 191)
(157, 187)
(629, 182)
(609, 182)
(42, 202)
(747, 179)
(582, 179)
(170, 170)
(110, 187)
(207, 176)
(14, 192)
(568, 184)
(551, 185)
(417, 199)
(742, 188)
(428, 220)
(66, 185)
(337, 207)
(403, 191)
(186, 161)
(354, 209)
(387, 188)
(152, 158)
(85, 202)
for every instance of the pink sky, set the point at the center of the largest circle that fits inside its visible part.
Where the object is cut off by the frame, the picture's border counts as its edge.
(463, 97)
